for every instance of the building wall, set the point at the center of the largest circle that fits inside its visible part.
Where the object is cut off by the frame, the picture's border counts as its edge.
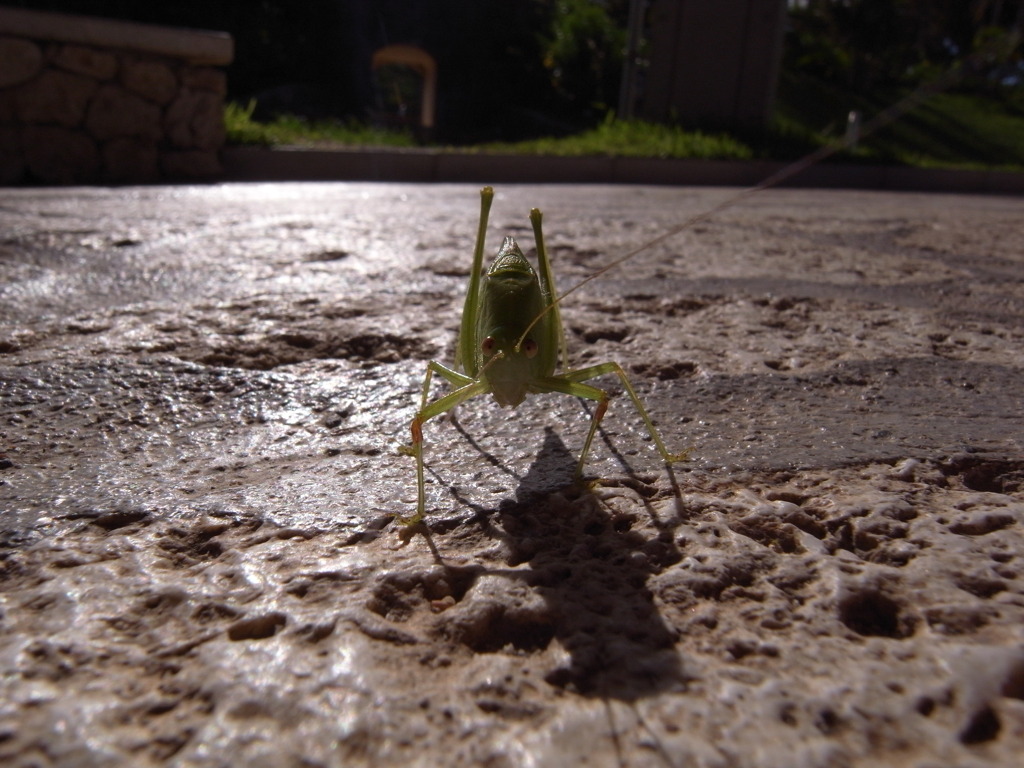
(713, 62)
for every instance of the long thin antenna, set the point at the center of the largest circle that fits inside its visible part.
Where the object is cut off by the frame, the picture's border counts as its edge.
(883, 118)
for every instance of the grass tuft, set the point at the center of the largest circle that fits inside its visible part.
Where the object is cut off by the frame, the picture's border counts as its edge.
(289, 130)
(632, 138)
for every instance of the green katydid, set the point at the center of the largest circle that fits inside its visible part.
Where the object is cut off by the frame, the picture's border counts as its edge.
(511, 343)
(511, 338)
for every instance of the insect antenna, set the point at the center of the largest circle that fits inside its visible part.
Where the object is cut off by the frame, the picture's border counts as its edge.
(888, 115)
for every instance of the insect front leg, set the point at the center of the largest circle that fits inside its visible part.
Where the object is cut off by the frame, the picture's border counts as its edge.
(467, 344)
(467, 388)
(570, 383)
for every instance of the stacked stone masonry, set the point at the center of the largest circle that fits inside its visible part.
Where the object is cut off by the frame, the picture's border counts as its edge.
(73, 113)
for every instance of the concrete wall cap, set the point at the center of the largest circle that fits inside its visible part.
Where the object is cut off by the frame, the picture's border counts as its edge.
(192, 45)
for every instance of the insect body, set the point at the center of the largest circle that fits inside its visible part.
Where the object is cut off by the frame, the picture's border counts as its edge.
(511, 342)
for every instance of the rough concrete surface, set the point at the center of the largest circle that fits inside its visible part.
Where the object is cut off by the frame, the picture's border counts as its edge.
(203, 394)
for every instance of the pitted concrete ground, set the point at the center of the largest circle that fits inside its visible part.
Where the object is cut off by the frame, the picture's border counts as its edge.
(204, 389)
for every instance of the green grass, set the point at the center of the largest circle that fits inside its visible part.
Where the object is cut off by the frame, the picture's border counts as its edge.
(632, 138)
(957, 129)
(612, 137)
(288, 130)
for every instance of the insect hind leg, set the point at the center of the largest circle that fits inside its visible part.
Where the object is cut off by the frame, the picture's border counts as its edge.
(571, 383)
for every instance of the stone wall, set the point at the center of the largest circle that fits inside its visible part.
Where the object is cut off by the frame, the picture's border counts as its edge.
(85, 100)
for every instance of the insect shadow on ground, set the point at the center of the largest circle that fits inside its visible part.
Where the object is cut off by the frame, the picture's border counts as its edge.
(591, 568)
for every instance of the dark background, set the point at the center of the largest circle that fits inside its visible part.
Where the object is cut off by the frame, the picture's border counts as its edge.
(519, 68)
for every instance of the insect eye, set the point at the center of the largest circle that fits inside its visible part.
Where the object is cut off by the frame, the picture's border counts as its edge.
(529, 347)
(487, 346)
